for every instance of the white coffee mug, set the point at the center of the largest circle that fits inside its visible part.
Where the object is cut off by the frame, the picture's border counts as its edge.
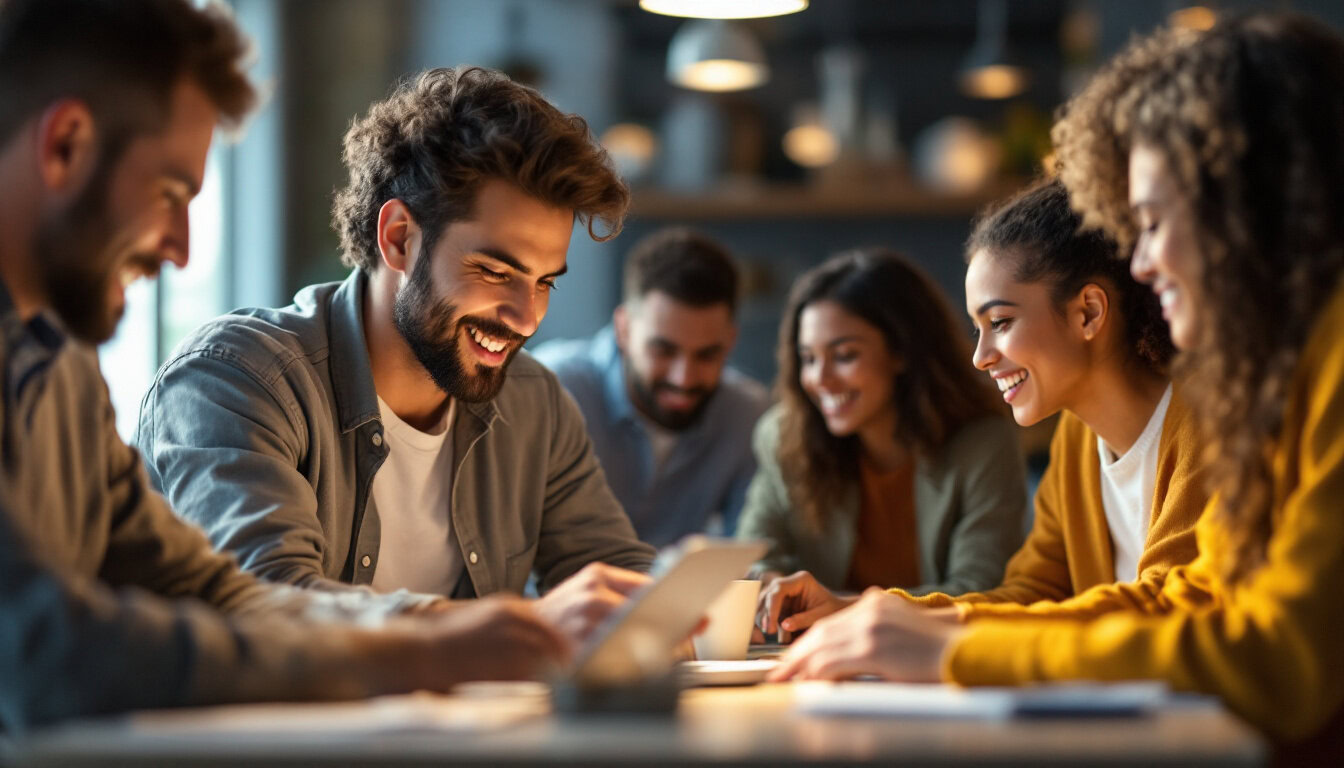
(731, 617)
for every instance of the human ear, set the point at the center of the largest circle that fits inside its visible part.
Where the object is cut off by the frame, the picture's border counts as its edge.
(397, 235)
(1093, 310)
(67, 146)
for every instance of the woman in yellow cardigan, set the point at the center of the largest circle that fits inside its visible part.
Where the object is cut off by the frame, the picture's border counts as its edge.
(1222, 154)
(1062, 326)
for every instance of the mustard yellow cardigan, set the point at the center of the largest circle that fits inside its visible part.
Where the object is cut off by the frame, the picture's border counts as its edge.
(1066, 567)
(1272, 645)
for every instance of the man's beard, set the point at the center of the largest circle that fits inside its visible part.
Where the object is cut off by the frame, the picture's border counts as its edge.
(646, 400)
(435, 337)
(77, 262)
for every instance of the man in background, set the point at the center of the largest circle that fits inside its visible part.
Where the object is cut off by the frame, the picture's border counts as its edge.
(108, 601)
(670, 421)
(387, 432)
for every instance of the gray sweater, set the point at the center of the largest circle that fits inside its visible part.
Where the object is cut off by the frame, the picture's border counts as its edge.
(108, 601)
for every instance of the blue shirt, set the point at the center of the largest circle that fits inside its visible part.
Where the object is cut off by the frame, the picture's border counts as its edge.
(710, 465)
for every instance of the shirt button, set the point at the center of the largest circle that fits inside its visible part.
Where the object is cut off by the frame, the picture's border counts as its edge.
(366, 561)
(377, 439)
(472, 557)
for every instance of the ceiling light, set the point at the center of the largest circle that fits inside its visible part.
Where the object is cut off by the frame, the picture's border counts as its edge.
(1197, 17)
(723, 9)
(715, 56)
(989, 72)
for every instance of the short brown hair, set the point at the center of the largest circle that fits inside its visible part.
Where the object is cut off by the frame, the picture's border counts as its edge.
(443, 133)
(121, 57)
(685, 265)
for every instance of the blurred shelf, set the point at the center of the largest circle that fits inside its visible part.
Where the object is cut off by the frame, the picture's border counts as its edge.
(775, 201)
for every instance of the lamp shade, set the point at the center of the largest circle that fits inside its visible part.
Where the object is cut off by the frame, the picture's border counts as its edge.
(723, 9)
(989, 71)
(713, 55)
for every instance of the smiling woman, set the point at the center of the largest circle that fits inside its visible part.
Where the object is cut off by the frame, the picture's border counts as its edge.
(888, 461)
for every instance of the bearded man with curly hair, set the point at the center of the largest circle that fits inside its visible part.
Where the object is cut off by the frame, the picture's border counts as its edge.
(387, 432)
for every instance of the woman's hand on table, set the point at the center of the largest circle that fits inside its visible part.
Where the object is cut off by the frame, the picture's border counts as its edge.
(880, 635)
(793, 603)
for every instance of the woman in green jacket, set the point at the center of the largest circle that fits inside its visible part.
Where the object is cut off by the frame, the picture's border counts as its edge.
(888, 460)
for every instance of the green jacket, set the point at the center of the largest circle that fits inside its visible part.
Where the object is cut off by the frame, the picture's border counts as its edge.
(970, 504)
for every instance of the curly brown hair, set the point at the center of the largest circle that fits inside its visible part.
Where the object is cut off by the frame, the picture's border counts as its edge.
(444, 133)
(1043, 241)
(936, 394)
(1250, 119)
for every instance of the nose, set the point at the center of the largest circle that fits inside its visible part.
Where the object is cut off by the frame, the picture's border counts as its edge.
(176, 243)
(521, 311)
(679, 373)
(984, 354)
(820, 373)
(1141, 263)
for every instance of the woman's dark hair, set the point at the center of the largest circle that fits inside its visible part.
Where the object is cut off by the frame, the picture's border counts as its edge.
(1249, 117)
(1041, 237)
(937, 392)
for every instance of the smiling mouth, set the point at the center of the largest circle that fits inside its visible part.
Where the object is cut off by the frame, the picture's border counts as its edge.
(1010, 384)
(1167, 297)
(492, 350)
(833, 403)
(136, 268)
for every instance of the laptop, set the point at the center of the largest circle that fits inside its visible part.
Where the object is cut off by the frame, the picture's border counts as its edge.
(639, 641)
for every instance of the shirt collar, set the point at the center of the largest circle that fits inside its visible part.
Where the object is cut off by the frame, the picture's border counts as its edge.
(608, 357)
(351, 372)
(30, 346)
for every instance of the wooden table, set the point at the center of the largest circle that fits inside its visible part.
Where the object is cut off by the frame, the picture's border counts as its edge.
(755, 726)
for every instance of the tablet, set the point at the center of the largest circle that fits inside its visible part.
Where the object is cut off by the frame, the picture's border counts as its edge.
(639, 641)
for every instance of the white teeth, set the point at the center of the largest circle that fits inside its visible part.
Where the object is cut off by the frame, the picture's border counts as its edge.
(494, 345)
(1167, 297)
(1008, 382)
(831, 402)
(129, 275)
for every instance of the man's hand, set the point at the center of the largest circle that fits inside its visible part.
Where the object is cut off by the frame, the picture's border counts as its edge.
(794, 603)
(494, 638)
(879, 635)
(585, 599)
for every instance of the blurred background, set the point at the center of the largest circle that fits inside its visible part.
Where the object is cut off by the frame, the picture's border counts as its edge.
(849, 123)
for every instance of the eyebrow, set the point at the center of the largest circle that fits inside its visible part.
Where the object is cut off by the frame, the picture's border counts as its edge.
(992, 303)
(836, 342)
(508, 258)
(193, 186)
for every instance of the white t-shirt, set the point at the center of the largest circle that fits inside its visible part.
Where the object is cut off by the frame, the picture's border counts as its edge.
(413, 493)
(1127, 492)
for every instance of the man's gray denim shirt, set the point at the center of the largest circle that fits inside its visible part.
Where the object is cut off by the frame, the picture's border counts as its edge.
(264, 429)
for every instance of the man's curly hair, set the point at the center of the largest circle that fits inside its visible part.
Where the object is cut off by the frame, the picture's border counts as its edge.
(1249, 116)
(443, 133)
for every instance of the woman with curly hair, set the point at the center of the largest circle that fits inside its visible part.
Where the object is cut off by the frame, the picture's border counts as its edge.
(888, 460)
(1062, 326)
(1220, 155)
